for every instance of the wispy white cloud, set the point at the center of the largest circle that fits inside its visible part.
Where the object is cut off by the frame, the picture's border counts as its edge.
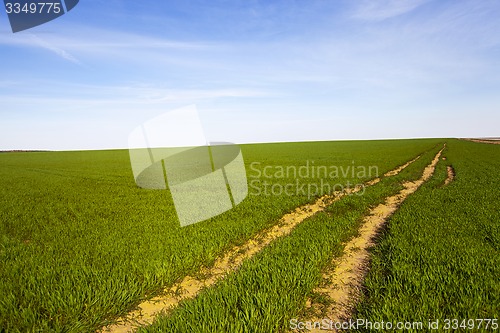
(194, 95)
(83, 45)
(112, 97)
(55, 49)
(8, 83)
(29, 39)
(81, 37)
(377, 10)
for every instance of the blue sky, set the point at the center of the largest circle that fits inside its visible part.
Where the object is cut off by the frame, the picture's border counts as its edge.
(258, 71)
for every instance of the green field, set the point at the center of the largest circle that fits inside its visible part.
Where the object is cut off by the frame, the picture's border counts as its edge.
(81, 244)
(439, 257)
(271, 289)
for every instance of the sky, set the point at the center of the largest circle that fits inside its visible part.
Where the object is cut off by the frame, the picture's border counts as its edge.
(257, 71)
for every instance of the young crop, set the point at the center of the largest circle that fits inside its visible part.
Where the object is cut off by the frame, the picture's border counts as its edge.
(81, 244)
(439, 259)
(271, 289)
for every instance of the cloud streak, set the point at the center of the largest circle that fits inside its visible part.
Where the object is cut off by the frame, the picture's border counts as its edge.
(55, 49)
(378, 10)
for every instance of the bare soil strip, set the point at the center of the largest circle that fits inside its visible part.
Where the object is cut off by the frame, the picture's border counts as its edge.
(451, 175)
(346, 278)
(491, 141)
(190, 286)
(399, 169)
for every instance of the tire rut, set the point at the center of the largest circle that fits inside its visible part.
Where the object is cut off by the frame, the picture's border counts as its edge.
(346, 279)
(450, 175)
(190, 286)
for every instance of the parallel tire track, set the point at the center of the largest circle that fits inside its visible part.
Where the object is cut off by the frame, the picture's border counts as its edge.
(346, 279)
(190, 286)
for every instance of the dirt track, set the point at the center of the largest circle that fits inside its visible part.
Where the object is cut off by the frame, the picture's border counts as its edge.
(492, 141)
(450, 175)
(190, 286)
(345, 281)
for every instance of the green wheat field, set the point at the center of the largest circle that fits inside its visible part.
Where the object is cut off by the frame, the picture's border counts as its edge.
(82, 245)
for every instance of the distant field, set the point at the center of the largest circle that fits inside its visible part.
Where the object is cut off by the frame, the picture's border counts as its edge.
(81, 244)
